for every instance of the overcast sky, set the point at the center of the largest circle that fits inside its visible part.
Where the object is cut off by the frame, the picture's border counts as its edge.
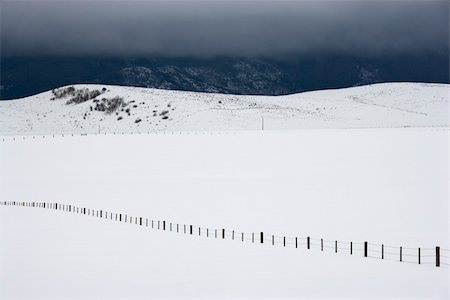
(210, 28)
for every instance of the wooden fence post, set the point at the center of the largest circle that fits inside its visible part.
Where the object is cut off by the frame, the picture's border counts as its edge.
(365, 249)
(321, 244)
(190, 229)
(223, 233)
(296, 242)
(140, 220)
(253, 237)
(262, 238)
(335, 246)
(438, 256)
(308, 242)
(273, 240)
(401, 253)
(382, 251)
(164, 225)
(419, 256)
(284, 241)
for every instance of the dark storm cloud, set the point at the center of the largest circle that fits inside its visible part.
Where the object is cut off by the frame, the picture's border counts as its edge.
(222, 28)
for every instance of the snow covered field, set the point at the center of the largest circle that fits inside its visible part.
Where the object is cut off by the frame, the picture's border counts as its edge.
(379, 185)
(378, 105)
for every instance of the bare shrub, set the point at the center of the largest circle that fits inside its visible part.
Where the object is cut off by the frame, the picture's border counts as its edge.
(63, 92)
(109, 105)
(114, 104)
(83, 95)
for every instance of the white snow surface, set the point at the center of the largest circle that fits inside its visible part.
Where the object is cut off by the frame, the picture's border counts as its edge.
(378, 105)
(355, 175)
(378, 185)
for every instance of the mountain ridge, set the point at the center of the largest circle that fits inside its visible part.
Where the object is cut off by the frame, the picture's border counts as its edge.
(229, 75)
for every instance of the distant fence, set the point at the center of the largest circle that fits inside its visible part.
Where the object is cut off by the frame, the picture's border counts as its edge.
(167, 131)
(7, 138)
(432, 256)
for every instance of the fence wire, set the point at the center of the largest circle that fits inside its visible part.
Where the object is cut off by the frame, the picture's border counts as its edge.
(427, 256)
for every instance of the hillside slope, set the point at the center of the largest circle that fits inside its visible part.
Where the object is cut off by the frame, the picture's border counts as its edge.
(144, 110)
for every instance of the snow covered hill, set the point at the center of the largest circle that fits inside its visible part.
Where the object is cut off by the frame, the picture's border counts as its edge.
(144, 110)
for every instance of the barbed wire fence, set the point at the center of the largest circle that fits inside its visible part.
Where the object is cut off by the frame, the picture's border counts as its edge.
(15, 138)
(168, 131)
(426, 256)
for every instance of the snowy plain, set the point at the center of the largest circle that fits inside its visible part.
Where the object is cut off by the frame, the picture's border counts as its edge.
(378, 185)
(336, 182)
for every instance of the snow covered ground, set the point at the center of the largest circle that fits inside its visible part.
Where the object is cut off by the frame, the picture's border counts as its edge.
(378, 185)
(379, 105)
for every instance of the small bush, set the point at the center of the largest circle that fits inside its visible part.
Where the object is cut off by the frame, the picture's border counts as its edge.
(83, 95)
(137, 120)
(63, 92)
(109, 105)
(94, 94)
(114, 104)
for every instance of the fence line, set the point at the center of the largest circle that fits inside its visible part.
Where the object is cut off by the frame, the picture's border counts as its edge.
(167, 131)
(437, 255)
(18, 136)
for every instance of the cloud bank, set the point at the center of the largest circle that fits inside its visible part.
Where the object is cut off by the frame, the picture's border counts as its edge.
(218, 28)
